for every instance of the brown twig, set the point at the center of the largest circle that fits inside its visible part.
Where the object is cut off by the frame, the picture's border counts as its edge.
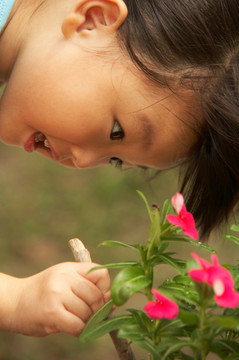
(122, 347)
(81, 254)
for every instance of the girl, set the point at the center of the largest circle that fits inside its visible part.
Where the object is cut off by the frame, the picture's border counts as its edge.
(141, 83)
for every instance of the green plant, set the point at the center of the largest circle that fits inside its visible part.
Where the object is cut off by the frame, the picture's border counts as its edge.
(195, 312)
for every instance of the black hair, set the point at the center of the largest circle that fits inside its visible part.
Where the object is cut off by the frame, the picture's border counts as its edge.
(196, 40)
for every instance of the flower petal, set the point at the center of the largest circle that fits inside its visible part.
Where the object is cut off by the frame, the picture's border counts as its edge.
(177, 202)
(183, 211)
(175, 220)
(186, 222)
(214, 260)
(229, 299)
(198, 275)
(153, 310)
(221, 273)
(218, 287)
(163, 308)
(219, 278)
(189, 227)
(156, 310)
(204, 263)
(158, 295)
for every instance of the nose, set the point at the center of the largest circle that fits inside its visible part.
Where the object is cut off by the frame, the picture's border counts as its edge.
(83, 159)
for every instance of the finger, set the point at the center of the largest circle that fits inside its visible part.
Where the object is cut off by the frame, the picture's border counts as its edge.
(107, 296)
(68, 323)
(99, 277)
(89, 293)
(78, 307)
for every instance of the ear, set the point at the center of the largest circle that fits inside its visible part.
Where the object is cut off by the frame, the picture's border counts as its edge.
(103, 15)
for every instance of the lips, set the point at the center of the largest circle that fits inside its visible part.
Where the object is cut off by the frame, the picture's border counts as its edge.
(39, 141)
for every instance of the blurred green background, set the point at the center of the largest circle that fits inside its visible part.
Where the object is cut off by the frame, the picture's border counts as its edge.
(43, 205)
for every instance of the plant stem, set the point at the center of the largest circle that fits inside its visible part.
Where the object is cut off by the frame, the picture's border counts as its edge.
(156, 338)
(122, 347)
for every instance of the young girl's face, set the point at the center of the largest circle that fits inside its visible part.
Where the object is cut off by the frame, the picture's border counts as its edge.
(82, 111)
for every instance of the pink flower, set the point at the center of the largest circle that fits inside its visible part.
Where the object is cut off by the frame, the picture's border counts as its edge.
(184, 219)
(162, 308)
(219, 278)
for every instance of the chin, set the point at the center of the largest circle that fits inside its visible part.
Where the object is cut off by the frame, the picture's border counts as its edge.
(67, 163)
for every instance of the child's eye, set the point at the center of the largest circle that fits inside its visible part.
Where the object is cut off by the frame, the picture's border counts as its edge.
(117, 132)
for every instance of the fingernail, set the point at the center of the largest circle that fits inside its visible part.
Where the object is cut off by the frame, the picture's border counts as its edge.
(107, 296)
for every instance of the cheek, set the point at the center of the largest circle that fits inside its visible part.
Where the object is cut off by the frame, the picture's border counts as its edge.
(43, 105)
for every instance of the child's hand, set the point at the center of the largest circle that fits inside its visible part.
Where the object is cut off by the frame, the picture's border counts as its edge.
(58, 299)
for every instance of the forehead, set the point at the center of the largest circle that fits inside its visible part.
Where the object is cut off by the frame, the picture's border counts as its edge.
(159, 99)
(170, 92)
(168, 119)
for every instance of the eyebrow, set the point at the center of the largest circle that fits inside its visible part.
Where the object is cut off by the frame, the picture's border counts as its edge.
(147, 125)
(148, 132)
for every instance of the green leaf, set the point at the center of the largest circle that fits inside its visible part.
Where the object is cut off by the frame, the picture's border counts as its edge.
(202, 246)
(170, 328)
(183, 238)
(189, 296)
(105, 327)
(226, 322)
(176, 345)
(235, 228)
(175, 237)
(234, 270)
(119, 244)
(147, 204)
(188, 318)
(115, 265)
(146, 325)
(171, 345)
(233, 312)
(177, 264)
(154, 230)
(220, 350)
(163, 246)
(141, 318)
(233, 238)
(225, 346)
(232, 356)
(99, 316)
(129, 281)
(192, 264)
(183, 279)
(167, 209)
(131, 332)
(185, 357)
(144, 344)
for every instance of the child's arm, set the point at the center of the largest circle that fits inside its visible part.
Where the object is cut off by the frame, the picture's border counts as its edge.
(58, 299)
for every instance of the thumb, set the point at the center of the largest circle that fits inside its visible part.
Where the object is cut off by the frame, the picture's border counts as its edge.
(99, 277)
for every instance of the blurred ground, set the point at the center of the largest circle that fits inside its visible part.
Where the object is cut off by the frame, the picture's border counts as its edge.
(43, 205)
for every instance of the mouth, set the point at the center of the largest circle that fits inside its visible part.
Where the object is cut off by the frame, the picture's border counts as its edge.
(39, 141)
